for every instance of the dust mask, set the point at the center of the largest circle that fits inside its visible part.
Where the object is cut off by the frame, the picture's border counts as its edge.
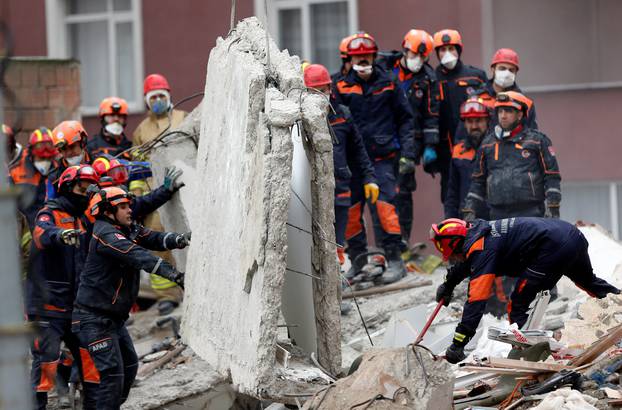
(414, 64)
(504, 78)
(75, 160)
(43, 166)
(363, 69)
(115, 128)
(449, 60)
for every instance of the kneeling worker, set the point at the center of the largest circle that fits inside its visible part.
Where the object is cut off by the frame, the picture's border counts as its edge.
(109, 287)
(537, 251)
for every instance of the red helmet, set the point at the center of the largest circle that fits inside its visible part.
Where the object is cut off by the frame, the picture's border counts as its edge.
(473, 107)
(107, 198)
(448, 236)
(362, 43)
(514, 100)
(155, 82)
(505, 55)
(113, 168)
(41, 143)
(74, 174)
(447, 37)
(316, 75)
(418, 41)
(343, 46)
(67, 133)
(113, 105)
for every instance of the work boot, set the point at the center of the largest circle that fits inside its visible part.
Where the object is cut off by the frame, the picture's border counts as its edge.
(356, 266)
(396, 269)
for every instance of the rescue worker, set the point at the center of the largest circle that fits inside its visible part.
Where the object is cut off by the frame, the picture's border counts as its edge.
(346, 63)
(504, 68)
(161, 117)
(57, 257)
(70, 140)
(417, 78)
(113, 173)
(352, 167)
(109, 287)
(476, 118)
(456, 81)
(537, 251)
(516, 172)
(30, 173)
(111, 139)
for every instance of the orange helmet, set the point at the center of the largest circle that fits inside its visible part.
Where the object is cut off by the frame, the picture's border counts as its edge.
(505, 55)
(473, 107)
(447, 37)
(67, 133)
(113, 168)
(418, 41)
(75, 174)
(448, 236)
(361, 43)
(107, 198)
(41, 143)
(113, 105)
(343, 47)
(316, 75)
(514, 100)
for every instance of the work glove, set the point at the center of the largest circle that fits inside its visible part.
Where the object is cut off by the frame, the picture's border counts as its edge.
(371, 192)
(171, 179)
(70, 237)
(138, 155)
(552, 210)
(406, 165)
(179, 279)
(407, 182)
(429, 155)
(183, 239)
(455, 353)
(444, 292)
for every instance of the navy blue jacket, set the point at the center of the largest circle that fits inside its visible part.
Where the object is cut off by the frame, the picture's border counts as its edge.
(518, 171)
(460, 171)
(382, 113)
(100, 144)
(54, 267)
(349, 155)
(146, 204)
(454, 88)
(111, 276)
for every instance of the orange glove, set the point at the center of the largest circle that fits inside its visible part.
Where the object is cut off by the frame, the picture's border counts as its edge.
(371, 191)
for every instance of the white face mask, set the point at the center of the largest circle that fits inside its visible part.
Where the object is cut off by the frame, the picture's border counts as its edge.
(504, 78)
(115, 128)
(43, 166)
(363, 69)
(414, 64)
(449, 60)
(75, 160)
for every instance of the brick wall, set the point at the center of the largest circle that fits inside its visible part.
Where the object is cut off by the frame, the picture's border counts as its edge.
(47, 91)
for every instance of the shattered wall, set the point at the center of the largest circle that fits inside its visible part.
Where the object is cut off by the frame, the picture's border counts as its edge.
(237, 261)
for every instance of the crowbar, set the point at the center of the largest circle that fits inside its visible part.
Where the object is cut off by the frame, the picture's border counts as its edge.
(429, 322)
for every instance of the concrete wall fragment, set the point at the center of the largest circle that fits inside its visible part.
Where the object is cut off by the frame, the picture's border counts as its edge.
(237, 262)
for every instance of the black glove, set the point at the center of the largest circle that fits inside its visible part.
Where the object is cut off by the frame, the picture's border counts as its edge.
(407, 182)
(406, 166)
(444, 292)
(183, 239)
(70, 237)
(552, 210)
(468, 215)
(179, 279)
(455, 354)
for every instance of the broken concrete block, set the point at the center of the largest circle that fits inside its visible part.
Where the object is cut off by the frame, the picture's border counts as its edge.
(391, 379)
(237, 262)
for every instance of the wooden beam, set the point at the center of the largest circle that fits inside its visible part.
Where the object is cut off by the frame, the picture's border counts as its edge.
(500, 362)
(598, 347)
(497, 370)
(385, 289)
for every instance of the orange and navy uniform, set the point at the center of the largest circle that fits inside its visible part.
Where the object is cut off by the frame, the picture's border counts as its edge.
(454, 87)
(462, 165)
(32, 185)
(101, 144)
(515, 174)
(537, 251)
(55, 174)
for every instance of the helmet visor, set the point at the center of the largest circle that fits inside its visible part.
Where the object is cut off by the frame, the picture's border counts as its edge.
(119, 175)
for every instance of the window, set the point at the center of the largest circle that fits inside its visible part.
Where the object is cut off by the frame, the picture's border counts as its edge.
(311, 29)
(106, 37)
(563, 44)
(597, 202)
